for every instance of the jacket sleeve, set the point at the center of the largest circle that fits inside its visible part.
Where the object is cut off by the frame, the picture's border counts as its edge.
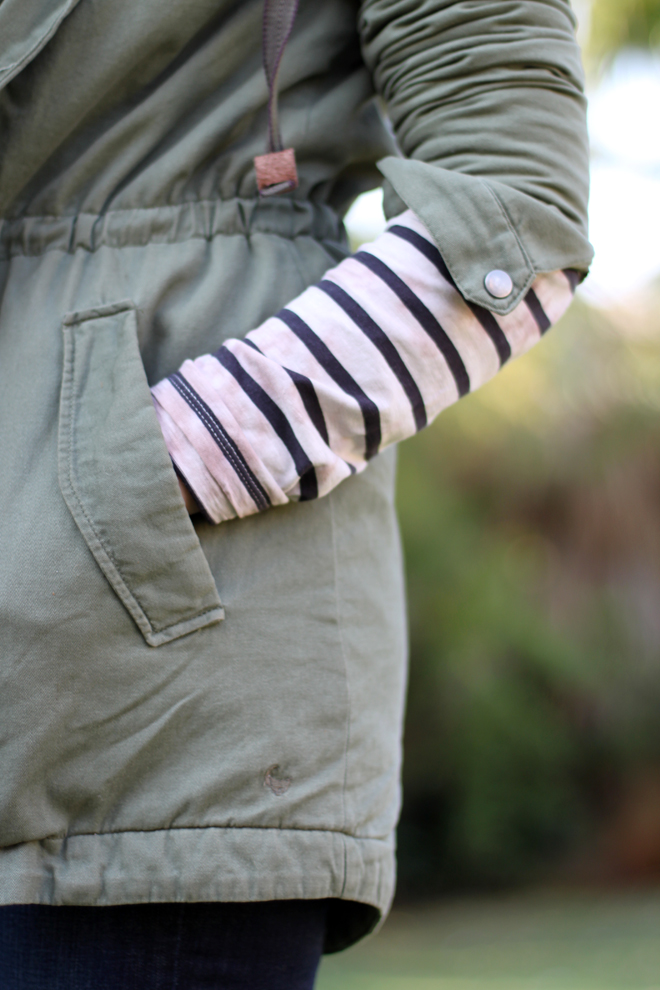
(486, 100)
(487, 104)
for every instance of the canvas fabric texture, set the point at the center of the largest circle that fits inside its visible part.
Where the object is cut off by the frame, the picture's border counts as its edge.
(192, 712)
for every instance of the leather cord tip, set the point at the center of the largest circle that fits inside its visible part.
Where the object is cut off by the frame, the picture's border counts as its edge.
(276, 172)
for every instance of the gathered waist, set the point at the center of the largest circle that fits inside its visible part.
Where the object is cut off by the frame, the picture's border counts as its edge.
(206, 219)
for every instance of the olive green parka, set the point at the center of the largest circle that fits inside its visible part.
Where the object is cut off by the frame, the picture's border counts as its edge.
(200, 713)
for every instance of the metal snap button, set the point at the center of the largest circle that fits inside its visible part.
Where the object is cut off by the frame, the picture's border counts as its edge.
(499, 284)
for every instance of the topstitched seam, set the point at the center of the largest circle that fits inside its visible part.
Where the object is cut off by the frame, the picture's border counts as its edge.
(202, 828)
(70, 403)
(348, 692)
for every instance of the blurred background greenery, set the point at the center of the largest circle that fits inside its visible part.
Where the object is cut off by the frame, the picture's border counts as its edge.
(531, 522)
(619, 24)
(530, 515)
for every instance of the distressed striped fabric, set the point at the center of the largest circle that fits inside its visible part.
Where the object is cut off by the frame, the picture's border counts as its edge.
(365, 358)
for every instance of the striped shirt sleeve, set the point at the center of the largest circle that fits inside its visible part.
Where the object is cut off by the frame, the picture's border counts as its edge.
(361, 360)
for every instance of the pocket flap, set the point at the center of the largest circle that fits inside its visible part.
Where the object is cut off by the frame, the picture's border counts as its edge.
(118, 481)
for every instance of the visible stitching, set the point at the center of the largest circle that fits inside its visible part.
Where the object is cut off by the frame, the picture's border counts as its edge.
(221, 440)
(509, 223)
(512, 230)
(153, 630)
(182, 622)
(98, 313)
(179, 382)
(345, 661)
(72, 485)
(528, 261)
(202, 828)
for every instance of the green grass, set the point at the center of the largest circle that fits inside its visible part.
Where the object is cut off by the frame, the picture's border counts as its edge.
(542, 942)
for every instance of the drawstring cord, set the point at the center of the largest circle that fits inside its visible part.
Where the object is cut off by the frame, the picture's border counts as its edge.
(276, 170)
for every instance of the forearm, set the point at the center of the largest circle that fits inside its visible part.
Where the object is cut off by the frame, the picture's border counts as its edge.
(362, 360)
(487, 104)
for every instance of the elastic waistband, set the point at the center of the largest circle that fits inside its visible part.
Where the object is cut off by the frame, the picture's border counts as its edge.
(169, 224)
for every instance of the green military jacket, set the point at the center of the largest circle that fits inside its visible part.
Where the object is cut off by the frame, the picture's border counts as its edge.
(202, 713)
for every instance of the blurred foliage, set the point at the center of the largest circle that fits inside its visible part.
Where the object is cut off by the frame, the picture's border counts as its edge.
(564, 940)
(531, 525)
(617, 24)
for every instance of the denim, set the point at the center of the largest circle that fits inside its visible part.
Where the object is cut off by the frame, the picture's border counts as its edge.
(271, 945)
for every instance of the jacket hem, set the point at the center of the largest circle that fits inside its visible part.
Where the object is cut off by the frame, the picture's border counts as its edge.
(208, 864)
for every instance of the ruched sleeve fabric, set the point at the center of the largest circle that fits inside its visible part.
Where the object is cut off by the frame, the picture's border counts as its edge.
(487, 103)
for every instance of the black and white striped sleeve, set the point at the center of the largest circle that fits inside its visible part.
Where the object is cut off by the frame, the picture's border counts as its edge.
(361, 360)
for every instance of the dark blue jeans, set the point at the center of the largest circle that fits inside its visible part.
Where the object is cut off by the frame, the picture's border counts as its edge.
(273, 945)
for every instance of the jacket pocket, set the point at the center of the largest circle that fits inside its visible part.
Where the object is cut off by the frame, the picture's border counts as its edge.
(119, 484)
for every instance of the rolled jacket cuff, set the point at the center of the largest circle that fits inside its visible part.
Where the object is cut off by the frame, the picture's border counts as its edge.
(481, 225)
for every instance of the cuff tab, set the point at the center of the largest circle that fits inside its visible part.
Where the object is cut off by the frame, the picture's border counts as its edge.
(491, 235)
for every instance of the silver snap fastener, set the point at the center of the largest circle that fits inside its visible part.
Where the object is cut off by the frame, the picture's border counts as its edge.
(499, 284)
